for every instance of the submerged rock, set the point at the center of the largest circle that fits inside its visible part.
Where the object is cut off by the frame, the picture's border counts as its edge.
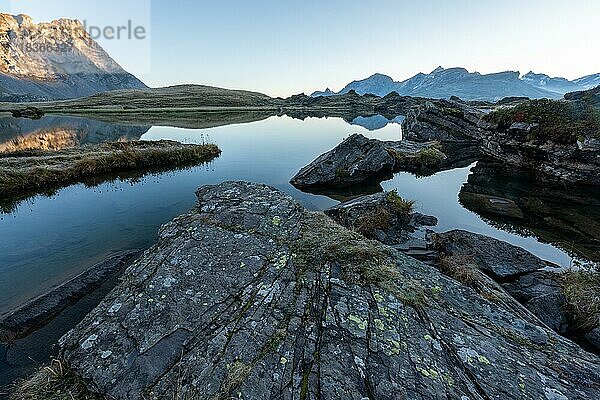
(251, 296)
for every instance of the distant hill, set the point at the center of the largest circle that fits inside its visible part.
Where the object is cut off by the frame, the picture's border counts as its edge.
(54, 60)
(179, 96)
(444, 83)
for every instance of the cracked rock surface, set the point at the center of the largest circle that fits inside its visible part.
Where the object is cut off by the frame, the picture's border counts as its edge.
(251, 296)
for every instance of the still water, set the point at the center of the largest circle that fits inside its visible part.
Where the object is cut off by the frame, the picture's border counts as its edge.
(46, 240)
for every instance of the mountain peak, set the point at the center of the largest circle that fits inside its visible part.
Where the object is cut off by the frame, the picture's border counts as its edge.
(458, 81)
(77, 66)
(380, 76)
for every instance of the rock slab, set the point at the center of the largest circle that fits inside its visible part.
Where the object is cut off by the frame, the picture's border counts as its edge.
(251, 296)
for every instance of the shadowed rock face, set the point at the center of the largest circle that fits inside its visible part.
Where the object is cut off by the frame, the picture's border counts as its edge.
(249, 295)
(362, 161)
(356, 160)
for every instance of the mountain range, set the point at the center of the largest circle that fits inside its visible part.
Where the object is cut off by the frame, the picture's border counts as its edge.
(54, 60)
(444, 83)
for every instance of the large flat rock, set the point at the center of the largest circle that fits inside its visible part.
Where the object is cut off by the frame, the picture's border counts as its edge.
(250, 296)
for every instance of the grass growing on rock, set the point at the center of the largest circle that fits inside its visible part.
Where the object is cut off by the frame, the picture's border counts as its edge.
(582, 294)
(378, 219)
(559, 121)
(361, 261)
(398, 204)
(35, 170)
(53, 382)
(430, 157)
(382, 217)
(461, 268)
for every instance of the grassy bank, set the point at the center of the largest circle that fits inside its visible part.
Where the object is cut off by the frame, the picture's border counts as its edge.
(37, 170)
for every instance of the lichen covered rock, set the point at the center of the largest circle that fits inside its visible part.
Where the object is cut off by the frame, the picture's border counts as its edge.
(251, 296)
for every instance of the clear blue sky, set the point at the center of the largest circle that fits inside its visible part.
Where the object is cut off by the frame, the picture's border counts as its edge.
(285, 47)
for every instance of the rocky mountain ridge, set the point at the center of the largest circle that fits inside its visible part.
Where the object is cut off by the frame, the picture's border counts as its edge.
(444, 83)
(54, 60)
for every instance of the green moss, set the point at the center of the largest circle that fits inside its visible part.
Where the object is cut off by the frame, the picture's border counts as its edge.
(429, 157)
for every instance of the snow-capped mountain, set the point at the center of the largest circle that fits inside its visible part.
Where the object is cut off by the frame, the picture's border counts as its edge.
(589, 81)
(444, 83)
(543, 81)
(54, 60)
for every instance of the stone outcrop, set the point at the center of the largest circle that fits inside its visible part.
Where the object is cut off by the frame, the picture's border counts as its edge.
(577, 162)
(558, 140)
(391, 220)
(362, 161)
(354, 161)
(251, 296)
(446, 121)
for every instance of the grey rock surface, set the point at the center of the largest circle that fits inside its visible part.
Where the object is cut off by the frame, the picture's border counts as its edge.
(362, 161)
(356, 160)
(251, 296)
(524, 276)
(498, 259)
(444, 121)
(541, 293)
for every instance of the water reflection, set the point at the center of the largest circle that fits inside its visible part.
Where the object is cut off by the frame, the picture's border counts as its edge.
(53, 236)
(567, 216)
(375, 122)
(60, 132)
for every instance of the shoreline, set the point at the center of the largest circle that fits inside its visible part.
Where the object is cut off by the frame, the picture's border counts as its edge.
(37, 325)
(37, 312)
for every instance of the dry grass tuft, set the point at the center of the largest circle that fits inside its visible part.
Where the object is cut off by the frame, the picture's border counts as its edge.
(461, 268)
(582, 294)
(53, 382)
(100, 160)
(368, 223)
